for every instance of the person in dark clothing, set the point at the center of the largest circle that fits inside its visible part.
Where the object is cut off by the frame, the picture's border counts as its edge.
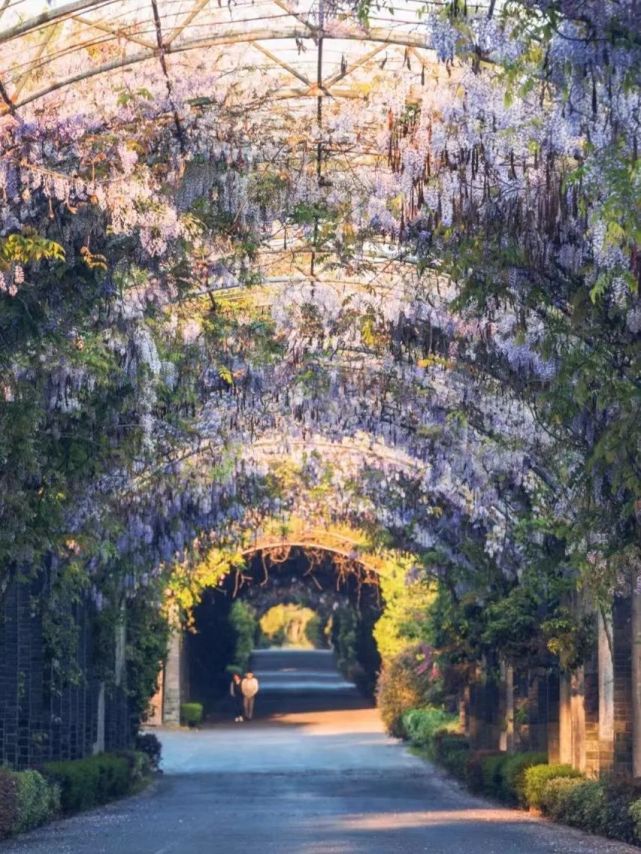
(236, 693)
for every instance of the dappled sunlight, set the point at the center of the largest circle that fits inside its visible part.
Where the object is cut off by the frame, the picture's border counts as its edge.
(401, 820)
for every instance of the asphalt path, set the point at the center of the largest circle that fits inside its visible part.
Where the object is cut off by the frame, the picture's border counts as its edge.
(313, 774)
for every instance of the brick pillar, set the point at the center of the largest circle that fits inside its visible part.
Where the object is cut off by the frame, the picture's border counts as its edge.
(172, 682)
(622, 637)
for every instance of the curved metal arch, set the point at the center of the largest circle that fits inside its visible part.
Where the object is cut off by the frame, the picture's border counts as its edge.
(323, 539)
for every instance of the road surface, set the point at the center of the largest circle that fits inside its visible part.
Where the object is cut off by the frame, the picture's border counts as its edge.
(313, 774)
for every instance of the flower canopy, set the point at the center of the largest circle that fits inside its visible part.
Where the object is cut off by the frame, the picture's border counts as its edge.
(358, 263)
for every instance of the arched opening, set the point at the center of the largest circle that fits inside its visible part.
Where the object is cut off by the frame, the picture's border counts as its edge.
(341, 593)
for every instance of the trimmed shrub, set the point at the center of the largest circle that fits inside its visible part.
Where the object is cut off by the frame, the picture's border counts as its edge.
(84, 783)
(421, 724)
(139, 768)
(555, 795)
(8, 802)
(585, 806)
(513, 775)
(191, 714)
(37, 800)
(26, 801)
(538, 776)
(492, 768)
(634, 811)
(149, 744)
(452, 750)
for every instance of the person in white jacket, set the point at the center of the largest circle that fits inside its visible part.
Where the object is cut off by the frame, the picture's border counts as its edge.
(249, 687)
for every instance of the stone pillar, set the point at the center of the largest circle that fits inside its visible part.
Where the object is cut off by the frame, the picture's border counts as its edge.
(565, 720)
(572, 719)
(99, 743)
(577, 706)
(636, 684)
(507, 730)
(606, 693)
(172, 681)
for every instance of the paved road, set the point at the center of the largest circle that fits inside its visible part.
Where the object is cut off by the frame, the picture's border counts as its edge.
(317, 776)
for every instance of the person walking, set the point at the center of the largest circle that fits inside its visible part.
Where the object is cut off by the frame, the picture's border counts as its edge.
(236, 693)
(249, 688)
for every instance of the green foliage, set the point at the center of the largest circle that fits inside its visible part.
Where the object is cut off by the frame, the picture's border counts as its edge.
(452, 750)
(405, 615)
(344, 630)
(147, 642)
(537, 778)
(191, 714)
(37, 800)
(85, 783)
(244, 624)
(27, 248)
(420, 725)
(513, 775)
(635, 814)
(287, 625)
(555, 794)
(315, 632)
(402, 686)
(491, 773)
(149, 744)
(140, 767)
(608, 806)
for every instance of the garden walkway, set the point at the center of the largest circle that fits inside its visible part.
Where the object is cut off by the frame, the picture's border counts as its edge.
(314, 775)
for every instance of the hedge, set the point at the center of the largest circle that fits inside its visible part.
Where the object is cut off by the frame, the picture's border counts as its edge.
(191, 714)
(27, 800)
(537, 778)
(513, 775)
(421, 724)
(609, 806)
(85, 783)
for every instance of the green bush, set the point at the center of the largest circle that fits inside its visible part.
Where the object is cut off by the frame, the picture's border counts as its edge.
(492, 768)
(191, 714)
(555, 795)
(538, 776)
(149, 744)
(452, 751)
(421, 724)
(585, 806)
(401, 688)
(27, 800)
(85, 783)
(140, 768)
(604, 806)
(37, 800)
(513, 775)
(634, 811)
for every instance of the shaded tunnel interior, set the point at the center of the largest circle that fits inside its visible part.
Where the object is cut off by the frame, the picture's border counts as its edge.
(347, 603)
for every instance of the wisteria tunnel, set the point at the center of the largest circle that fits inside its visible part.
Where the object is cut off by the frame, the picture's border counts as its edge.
(330, 304)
